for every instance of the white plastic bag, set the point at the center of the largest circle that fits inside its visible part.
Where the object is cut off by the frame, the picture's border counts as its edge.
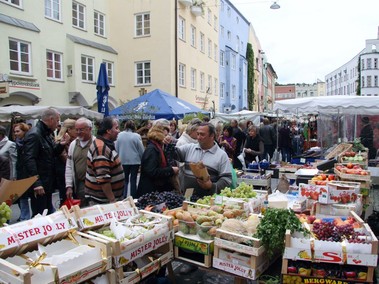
(241, 158)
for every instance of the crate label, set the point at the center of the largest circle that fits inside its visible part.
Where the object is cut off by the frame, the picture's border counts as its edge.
(193, 245)
(34, 229)
(89, 220)
(141, 250)
(331, 257)
(218, 200)
(310, 279)
(234, 268)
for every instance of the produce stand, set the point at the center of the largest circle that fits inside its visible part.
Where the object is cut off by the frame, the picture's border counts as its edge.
(262, 182)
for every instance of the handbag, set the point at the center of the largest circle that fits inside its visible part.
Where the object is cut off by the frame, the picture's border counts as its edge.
(70, 202)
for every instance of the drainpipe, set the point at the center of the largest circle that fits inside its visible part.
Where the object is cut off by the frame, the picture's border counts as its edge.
(176, 49)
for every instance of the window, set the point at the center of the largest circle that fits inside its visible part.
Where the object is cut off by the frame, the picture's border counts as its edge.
(215, 22)
(193, 79)
(78, 15)
(229, 35)
(233, 62)
(99, 23)
(222, 58)
(202, 83)
(362, 64)
(17, 3)
(54, 65)
(182, 75)
(110, 71)
(222, 6)
(143, 73)
(215, 86)
(229, 11)
(20, 56)
(209, 16)
(375, 81)
(233, 92)
(375, 63)
(209, 86)
(368, 63)
(222, 90)
(368, 81)
(53, 9)
(193, 36)
(215, 49)
(363, 81)
(237, 43)
(202, 47)
(182, 28)
(88, 68)
(209, 48)
(142, 24)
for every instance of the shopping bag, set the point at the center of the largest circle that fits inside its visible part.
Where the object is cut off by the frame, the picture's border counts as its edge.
(241, 158)
(70, 202)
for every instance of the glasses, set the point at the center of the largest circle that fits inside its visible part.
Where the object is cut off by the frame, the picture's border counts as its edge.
(81, 129)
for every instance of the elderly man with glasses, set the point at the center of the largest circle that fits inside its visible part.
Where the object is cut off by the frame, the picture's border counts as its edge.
(76, 164)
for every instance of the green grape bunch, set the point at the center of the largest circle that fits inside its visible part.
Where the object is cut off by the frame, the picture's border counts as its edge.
(244, 191)
(5, 213)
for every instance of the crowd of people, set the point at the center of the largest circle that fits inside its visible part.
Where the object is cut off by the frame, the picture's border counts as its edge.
(101, 163)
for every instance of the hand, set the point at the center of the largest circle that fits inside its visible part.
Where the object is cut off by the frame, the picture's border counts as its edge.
(69, 192)
(205, 184)
(39, 191)
(176, 170)
(65, 139)
(167, 139)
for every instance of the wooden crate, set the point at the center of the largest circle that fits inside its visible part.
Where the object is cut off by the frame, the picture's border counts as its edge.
(261, 182)
(232, 255)
(150, 264)
(193, 249)
(109, 277)
(126, 251)
(338, 150)
(353, 177)
(12, 270)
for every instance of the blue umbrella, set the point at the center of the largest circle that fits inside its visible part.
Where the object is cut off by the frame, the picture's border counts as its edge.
(154, 105)
(102, 87)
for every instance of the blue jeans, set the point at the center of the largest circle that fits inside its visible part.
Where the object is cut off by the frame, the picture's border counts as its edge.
(132, 171)
(24, 208)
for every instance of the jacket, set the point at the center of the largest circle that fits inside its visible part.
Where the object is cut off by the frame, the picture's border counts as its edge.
(153, 176)
(8, 150)
(40, 152)
(70, 165)
(129, 147)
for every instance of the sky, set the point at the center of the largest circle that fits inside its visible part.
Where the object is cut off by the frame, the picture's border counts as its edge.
(305, 40)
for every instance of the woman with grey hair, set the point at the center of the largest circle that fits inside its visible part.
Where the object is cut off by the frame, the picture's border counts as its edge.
(190, 134)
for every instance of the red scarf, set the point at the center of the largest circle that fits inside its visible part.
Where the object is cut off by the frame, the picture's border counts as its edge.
(163, 157)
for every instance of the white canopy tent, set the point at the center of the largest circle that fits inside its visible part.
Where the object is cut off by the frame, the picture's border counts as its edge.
(254, 116)
(340, 111)
(34, 112)
(330, 104)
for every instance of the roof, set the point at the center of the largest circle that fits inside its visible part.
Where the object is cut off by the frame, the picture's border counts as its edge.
(91, 43)
(18, 23)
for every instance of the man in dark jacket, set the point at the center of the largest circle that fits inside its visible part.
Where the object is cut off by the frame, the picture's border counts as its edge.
(40, 151)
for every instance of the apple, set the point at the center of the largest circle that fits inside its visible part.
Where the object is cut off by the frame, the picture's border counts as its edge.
(311, 219)
(292, 269)
(350, 274)
(331, 177)
(349, 165)
(362, 275)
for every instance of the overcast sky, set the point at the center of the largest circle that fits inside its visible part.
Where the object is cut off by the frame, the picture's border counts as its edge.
(305, 40)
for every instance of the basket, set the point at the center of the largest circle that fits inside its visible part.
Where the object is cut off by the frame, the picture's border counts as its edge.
(339, 149)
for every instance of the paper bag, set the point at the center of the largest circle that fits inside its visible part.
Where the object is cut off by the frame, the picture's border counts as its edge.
(11, 190)
(283, 185)
(199, 170)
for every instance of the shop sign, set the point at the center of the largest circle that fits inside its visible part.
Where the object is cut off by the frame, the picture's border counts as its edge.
(24, 85)
(4, 90)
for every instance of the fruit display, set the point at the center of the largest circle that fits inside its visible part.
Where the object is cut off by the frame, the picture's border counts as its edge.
(5, 213)
(168, 198)
(297, 269)
(243, 190)
(353, 169)
(338, 230)
(351, 156)
(131, 228)
(322, 179)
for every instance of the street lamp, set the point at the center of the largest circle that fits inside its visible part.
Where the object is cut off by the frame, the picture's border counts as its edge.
(274, 6)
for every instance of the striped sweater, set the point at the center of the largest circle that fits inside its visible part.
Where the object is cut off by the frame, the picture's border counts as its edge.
(103, 166)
